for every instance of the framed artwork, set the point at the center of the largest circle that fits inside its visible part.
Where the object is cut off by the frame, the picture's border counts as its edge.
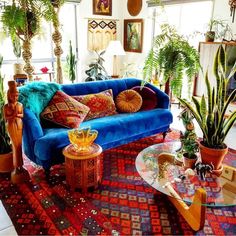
(102, 7)
(133, 35)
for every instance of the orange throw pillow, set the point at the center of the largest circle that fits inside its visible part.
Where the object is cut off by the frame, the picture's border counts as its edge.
(128, 101)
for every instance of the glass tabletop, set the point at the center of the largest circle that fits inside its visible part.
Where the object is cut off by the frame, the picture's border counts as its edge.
(158, 166)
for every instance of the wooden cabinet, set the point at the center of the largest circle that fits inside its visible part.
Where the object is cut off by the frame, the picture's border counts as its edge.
(207, 55)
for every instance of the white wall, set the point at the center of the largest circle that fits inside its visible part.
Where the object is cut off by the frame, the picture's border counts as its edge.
(85, 11)
(221, 10)
(119, 11)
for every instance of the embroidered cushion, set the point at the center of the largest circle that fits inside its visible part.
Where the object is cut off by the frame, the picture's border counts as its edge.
(100, 104)
(65, 111)
(128, 101)
(149, 97)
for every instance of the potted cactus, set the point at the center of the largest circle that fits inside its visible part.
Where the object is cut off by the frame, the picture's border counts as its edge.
(210, 113)
(6, 158)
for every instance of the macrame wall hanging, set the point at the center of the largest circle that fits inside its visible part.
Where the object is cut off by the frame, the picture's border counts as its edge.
(100, 33)
(232, 4)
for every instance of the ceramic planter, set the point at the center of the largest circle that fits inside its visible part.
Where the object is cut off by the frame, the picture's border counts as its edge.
(189, 162)
(213, 156)
(210, 36)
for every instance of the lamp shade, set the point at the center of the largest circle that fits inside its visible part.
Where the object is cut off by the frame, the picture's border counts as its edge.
(115, 48)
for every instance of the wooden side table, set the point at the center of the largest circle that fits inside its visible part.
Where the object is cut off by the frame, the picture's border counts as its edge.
(83, 170)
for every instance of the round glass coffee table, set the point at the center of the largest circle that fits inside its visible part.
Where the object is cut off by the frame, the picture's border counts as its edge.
(158, 167)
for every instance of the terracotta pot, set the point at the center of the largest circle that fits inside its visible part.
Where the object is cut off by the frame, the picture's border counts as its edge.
(210, 36)
(189, 162)
(6, 162)
(214, 156)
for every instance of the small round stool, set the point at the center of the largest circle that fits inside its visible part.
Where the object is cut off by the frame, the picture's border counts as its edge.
(83, 169)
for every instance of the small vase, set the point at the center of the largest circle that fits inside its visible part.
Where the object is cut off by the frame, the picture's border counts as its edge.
(189, 162)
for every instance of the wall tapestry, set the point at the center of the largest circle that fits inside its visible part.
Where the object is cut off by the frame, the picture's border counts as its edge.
(100, 33)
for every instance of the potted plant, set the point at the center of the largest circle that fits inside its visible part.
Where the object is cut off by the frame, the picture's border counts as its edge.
(71, 63)
(217, 29)
(6, 157)
(96, 69)
(210, 113)
(171, 57)
(18, 67)
(189, 144)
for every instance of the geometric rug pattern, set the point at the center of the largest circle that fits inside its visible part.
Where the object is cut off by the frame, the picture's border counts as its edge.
(123, 204)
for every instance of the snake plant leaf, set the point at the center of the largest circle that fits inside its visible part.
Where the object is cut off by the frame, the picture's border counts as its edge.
(232, 72)
(209, 92)
(229, 122)
(222, 60)
(203, 109)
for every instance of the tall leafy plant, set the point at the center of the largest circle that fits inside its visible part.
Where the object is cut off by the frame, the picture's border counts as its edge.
(171, 57)
(210, 112)
(4, 138)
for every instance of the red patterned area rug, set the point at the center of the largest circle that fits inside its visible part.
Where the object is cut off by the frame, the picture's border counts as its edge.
(122, 205)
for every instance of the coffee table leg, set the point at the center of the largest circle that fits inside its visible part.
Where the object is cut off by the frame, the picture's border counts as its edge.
(194, 214)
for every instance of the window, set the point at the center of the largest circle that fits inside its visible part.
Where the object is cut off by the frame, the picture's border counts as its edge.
(42, 46)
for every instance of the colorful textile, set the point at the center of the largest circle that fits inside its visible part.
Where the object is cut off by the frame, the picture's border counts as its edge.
(100, 104)
(123, 202)
(65, 111)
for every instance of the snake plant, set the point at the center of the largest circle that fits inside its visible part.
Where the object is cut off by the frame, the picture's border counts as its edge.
(210, 111)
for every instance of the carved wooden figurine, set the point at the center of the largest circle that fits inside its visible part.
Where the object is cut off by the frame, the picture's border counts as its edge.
(13, 113)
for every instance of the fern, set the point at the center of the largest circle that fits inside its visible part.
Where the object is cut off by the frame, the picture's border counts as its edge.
(172, 57)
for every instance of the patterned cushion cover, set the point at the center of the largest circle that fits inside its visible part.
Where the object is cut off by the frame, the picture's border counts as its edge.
(128, 101)
(65, 111)
(100, 104)
(149, 97)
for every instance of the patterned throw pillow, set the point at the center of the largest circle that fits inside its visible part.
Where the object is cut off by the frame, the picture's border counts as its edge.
(100, 104)
(128, 101)
(149, 97)
(65, 111)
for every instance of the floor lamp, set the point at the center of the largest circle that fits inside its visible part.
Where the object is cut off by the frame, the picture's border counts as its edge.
(115, 49)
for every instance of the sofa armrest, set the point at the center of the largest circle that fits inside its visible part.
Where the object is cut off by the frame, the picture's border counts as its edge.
(32, 131)
(163, 100)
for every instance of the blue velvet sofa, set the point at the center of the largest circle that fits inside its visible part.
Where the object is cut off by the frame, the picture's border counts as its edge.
(44, 145)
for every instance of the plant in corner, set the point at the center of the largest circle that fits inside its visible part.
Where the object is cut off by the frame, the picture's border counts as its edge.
(217, 29)
(210, 113)
(6, 158)
(96, 69)
(189, 144)
(171, 57)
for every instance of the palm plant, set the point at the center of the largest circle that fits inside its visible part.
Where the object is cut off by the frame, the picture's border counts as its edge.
(210, 112)
(172, 57)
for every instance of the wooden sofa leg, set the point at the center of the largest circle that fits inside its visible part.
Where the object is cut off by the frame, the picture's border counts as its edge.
(47, 173)
(164, 134)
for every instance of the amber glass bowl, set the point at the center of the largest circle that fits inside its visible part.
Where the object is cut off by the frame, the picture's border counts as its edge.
(82, 139)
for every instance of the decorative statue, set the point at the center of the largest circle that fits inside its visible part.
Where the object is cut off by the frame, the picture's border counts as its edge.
(13, 113)
(202, 169)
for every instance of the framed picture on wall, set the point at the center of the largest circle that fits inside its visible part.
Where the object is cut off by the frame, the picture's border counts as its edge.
(102, 7)
(133, 35)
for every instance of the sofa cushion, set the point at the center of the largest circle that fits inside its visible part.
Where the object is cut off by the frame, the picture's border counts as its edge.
(149, 97)
(128, 101)
(112, 130)
(100, 104)
(65, 111)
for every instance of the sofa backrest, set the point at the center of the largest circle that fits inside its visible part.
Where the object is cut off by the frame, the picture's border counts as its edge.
(117, 85)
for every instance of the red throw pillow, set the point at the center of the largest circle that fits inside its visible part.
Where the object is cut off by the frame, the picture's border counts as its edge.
(65, 111)
(100, 104)
(149, 97)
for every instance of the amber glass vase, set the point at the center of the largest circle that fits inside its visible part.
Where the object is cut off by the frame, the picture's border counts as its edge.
(82, 139)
